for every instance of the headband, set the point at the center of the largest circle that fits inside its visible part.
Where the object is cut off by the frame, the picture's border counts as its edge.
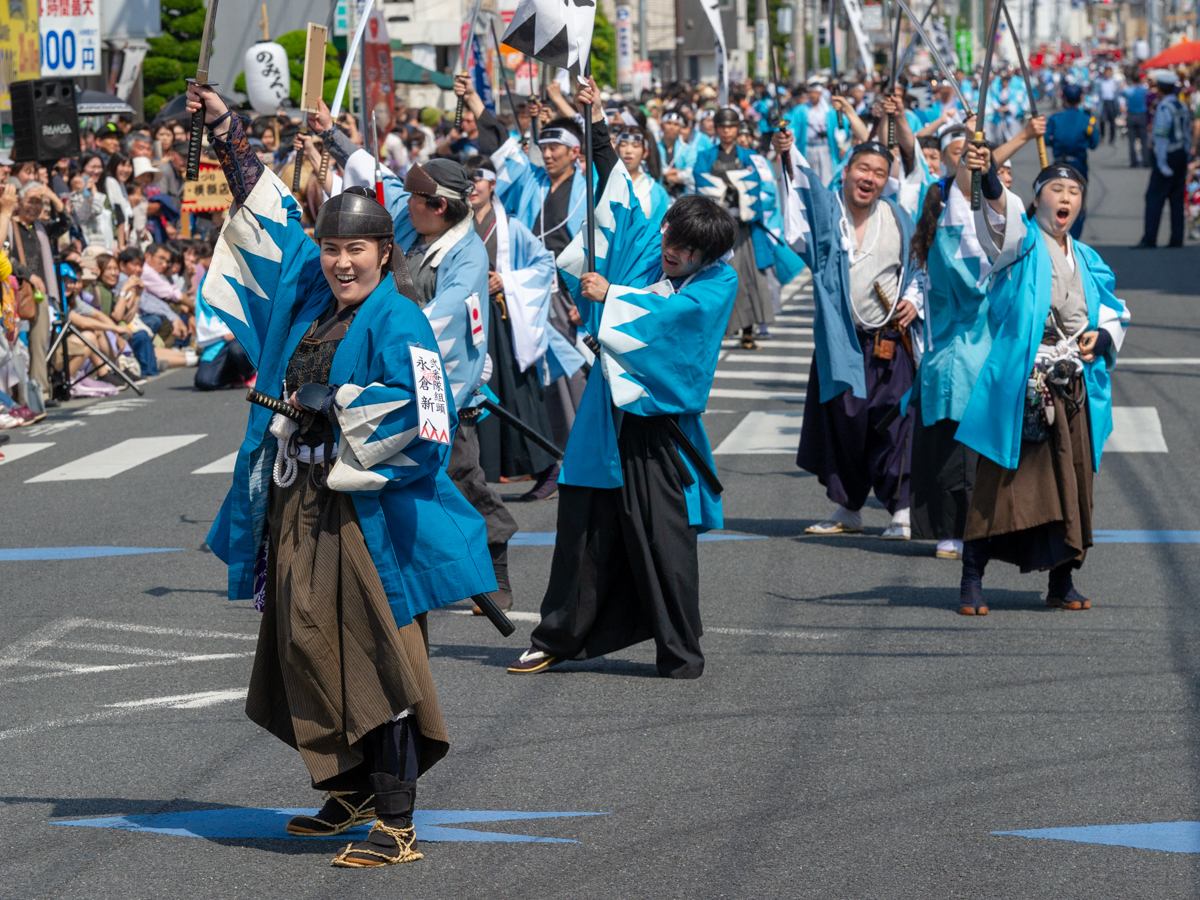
(672, 117)
(628, 137)
(871, 147)
(558, 136)
(953, 134)
(1050, 173)
(483, 175)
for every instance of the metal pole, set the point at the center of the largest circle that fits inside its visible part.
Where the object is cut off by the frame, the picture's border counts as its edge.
(643, 37)
(799, 43)
(678, 49)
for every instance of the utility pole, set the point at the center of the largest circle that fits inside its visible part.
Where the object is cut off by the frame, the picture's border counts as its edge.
(762, 40)
(679, 40)
(1154, 24)
(643, 40)
(799, 42)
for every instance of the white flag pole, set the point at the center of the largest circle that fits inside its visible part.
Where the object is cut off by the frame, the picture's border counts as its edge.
(357, 42)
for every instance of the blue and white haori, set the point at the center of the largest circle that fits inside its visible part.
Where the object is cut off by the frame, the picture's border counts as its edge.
(958, 335)
(659, 345)
(757, 195)
(1019, 290)
(265, 282)
(835, 137)
(527, 270)
(459, 309)
(815, 226)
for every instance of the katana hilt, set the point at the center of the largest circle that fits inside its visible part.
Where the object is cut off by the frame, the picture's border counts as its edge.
(977, 180)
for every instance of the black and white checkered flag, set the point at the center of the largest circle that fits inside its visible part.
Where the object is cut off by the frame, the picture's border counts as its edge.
(941, 39)
(557, 32)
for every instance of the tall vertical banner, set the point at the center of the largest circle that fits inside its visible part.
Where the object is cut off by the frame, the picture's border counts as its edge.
(624, 31)
(69, 32)
(865, 52)
(762, 41)
(557, 33)
(376, 57)
(479, 74)
(712, 10)
(20, 53)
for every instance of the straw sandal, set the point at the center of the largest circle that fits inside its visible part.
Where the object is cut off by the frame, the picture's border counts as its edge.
(368, 854)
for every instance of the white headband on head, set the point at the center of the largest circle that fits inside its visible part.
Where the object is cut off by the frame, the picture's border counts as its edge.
(558, 136)
(484, 175)
(951, 136)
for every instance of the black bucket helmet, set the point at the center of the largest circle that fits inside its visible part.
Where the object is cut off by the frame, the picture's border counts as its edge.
(353, 213)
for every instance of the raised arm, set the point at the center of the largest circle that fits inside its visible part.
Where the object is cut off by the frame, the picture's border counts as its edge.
(238, 160)
(1034, 128)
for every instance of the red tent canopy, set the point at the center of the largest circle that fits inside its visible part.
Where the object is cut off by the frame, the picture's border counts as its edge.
(1182, 54)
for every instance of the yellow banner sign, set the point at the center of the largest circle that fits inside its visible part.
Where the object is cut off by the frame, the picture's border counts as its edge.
(210, 193)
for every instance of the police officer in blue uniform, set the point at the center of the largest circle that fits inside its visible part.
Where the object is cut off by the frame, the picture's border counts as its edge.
(1070, 134)
(1168, 178)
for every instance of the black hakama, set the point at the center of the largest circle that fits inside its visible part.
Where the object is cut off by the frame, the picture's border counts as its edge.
(842, 442)
(504, 451)
(943, 475)
(625, 567)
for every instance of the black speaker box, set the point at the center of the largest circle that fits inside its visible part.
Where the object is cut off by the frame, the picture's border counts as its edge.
(45, 122)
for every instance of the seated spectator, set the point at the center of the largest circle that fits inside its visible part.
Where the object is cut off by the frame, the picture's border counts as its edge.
(121, 304)
(223, 363)
(158, 293)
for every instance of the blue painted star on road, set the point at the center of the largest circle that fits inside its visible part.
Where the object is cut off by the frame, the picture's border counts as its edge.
(268, 824)
(1172, 837)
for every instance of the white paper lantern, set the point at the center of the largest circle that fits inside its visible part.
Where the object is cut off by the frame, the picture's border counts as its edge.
(268, 81)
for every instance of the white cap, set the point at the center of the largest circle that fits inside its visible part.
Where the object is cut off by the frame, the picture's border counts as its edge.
(1164, 76)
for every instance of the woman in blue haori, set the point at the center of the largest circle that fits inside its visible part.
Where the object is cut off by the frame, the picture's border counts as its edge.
(1007, 106)
(632, 148)
(638, 480)
(345, 528)
(675, 154)
(1041, 408)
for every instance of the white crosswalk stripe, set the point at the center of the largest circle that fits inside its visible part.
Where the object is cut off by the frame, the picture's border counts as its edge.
(13, 452)
(114, 460)
(223, 466)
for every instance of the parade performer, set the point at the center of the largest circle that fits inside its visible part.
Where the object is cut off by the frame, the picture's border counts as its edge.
(1007, 105)
(638, 479)
(328, 543)
(549, 201)
(632, 147)
(521, 275)
(957, 340)
(814, 124)
(868, 301)
(743, 183)
(1070, 134)
(434, 228)
(1041, 409)
(675, 153)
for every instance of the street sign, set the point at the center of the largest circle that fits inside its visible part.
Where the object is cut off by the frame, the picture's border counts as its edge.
(70, 37)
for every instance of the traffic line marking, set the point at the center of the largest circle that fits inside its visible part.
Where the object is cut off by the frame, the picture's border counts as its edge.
(1136, 429)
(750, 394)
(270, 824)
(799, 359)
(118, 458)
(546, 538)
(223, 466)
(1103, 536)
(1170, 837)
(764, 432)
(763, 375)
(1159, 361)
(26, 554)
(13, 452)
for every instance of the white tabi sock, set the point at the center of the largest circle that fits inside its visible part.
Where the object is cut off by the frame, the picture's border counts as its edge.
(900, 517)
(849, 518)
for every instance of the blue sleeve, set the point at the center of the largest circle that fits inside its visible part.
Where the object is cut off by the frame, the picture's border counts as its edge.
(462, 288)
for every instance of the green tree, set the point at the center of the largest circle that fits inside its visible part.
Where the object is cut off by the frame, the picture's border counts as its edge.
(172, 57)
(604, 51)
(293, 44)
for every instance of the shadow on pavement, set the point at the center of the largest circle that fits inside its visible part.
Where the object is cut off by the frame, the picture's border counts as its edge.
(999, 599)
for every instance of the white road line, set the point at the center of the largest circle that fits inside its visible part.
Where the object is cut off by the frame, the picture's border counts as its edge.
(1136, 429)
(222, 466)
(84, 669)
(175, 632)
(769, 632)
(13, 452)
(791, 330)
(737, 394)
(119, 648)
(762, 432)
(116, 459)
(17, 652)
(768, 345)
(1158, 361)
(785, 320)
(764, 375)
(44, 428)
(513, 614)
(183, 701)
(112, 406)
(800, 359)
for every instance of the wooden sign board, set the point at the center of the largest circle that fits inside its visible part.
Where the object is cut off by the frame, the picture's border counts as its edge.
(314, 68)
(209, 193)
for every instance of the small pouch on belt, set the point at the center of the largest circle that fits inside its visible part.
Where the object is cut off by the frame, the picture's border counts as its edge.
(884, 349)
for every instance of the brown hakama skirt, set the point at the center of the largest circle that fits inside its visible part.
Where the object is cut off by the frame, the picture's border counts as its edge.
(331, 664)
(1039, 516)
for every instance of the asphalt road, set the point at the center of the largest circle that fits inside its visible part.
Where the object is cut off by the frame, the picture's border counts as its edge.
(852, 737)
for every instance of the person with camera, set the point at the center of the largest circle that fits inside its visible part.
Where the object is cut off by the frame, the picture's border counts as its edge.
(1041, 408)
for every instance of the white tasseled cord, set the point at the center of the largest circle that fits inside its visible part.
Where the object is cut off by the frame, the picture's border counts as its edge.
(285, 466)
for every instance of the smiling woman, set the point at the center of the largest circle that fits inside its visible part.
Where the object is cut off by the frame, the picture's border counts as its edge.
(326, 543)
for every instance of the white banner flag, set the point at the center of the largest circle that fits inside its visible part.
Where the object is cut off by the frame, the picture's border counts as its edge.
(866, 54)
(558, 32)
(712, 9)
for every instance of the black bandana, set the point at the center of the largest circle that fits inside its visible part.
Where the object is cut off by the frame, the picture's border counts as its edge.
(1059, 170)
(870, 147)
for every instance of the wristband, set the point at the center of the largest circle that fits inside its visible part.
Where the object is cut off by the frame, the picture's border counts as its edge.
(991, 187)
(211, 126)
